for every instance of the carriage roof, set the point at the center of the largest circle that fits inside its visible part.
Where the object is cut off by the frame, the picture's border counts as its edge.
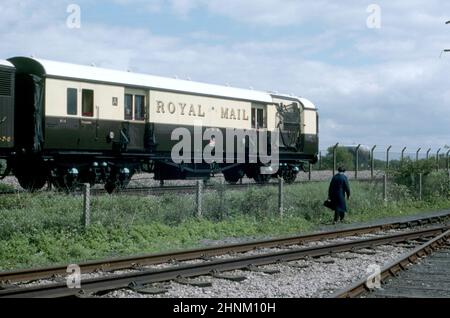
(91, 73)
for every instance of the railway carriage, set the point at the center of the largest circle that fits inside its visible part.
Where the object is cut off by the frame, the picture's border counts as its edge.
(69, 124)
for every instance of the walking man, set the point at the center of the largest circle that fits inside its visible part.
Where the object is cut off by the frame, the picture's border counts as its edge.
(339, 187)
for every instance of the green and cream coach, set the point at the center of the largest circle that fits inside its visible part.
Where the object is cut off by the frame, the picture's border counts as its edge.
(75, 124)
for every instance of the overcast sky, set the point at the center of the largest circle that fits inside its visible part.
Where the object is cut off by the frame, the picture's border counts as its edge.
(375, 81)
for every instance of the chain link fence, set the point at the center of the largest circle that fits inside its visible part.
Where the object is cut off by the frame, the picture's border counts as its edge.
(363, 162)
(378, 175)
(276, 200)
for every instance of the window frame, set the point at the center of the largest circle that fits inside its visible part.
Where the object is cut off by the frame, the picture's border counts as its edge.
(131, 116)
(83, 113)
(135, 96)
(68, 101)
(141, 118)
(255, 116)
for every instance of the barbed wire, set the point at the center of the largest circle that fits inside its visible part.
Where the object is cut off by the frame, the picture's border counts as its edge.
(393, 148)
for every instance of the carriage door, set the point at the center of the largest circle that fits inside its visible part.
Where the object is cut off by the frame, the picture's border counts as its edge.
(88, 123)
(259, 120)
(259, 116)
(136, 110)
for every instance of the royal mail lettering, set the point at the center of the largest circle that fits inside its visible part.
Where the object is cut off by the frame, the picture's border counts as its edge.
(192, 110)
(180, 108)
(172, 108)
(234, 114)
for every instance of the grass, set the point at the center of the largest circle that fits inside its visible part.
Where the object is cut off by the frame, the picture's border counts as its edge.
(43, 229)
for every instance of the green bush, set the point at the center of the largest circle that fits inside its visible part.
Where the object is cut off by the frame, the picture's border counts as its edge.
(434, 183)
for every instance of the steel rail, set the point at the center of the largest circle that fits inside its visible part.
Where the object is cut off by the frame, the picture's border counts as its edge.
(185, 255)
(391, 270)
(114, 282)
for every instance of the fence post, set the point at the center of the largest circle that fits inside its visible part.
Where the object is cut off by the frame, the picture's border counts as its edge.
(402, 156)
(385, 188)
(222, 198)
(448, 160)
(320, 160)
(387, 157)
(281, 196)
(437, 159)
(357, 161)
(334, 158)
(417, 154)
(86, 205)
(420, 186)
(199, 198)
(428, 153)
(448, 173)
(372, 161)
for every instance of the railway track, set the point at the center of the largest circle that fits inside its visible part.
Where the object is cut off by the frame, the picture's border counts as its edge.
(427, 279)
(152, 259)
(402, 278)
(213, 267)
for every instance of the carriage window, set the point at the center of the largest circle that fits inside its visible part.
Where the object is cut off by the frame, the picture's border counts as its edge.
(88, 103)
(253, 118)
(128, 107)
(72, 101)
(139, 110)
(259, 119)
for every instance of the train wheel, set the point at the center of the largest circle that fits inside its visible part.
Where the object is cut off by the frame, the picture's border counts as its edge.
(262, 178)
(231, 178)
(32, 183)
(118, 180)
(63, 184)
(110, 187)
(290, 177)
(66, 180)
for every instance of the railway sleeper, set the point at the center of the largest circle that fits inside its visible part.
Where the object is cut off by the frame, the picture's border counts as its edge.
(326, 260)
(151, 289)
(234, 278)
(258, 269)
(193, 282)
(299, 266)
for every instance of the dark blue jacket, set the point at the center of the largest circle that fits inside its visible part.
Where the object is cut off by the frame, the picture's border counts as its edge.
(336, 193)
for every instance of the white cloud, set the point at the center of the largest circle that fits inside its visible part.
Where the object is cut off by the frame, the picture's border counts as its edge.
(183, 7)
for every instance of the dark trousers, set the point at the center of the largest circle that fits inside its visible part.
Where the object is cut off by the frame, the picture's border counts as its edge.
(338, 215)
